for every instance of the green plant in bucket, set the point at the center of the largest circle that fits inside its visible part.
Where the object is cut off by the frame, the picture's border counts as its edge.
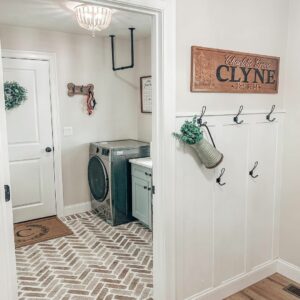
(190, 132)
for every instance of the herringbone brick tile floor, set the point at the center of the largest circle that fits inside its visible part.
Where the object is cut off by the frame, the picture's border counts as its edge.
(97, 262)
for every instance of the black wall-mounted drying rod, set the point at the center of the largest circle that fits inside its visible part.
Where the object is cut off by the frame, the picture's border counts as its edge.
(113, 52)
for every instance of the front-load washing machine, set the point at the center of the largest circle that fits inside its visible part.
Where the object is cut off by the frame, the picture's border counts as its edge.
(109, 177)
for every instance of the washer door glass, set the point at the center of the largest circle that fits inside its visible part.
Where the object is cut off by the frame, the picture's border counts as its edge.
(98, 179)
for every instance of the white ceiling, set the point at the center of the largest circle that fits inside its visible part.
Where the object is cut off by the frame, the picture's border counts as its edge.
(58, 15)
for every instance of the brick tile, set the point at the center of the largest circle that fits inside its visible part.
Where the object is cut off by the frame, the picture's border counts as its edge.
(97, 262)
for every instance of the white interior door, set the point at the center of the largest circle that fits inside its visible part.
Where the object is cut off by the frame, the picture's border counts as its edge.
(8, 281)
(29, 132)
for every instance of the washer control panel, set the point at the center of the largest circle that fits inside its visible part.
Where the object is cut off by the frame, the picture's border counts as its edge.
(105, 151)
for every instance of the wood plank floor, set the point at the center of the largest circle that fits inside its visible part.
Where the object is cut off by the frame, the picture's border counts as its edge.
(270, 288)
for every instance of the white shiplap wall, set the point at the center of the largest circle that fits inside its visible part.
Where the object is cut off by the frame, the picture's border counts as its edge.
(227, 233)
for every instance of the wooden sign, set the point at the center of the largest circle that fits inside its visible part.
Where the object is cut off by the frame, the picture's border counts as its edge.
(222, 71)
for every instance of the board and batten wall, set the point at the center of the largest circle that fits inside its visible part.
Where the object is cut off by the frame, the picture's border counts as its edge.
(258, 27)
(225, 233)
(290, 204)
(82, 59)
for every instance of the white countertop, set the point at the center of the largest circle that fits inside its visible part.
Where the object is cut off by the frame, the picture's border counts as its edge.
(144, 162)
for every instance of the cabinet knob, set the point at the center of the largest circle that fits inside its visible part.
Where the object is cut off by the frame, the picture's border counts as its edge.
(145, 187)
(148, 174)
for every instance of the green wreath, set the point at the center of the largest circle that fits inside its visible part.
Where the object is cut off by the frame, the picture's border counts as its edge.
(14, 94)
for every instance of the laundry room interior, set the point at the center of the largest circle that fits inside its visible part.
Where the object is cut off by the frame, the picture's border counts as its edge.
(101, 123)
(149, 149)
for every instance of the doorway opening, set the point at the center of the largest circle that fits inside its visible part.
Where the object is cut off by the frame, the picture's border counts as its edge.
(66, 129)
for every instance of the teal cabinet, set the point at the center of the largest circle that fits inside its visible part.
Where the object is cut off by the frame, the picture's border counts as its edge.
(142, 194)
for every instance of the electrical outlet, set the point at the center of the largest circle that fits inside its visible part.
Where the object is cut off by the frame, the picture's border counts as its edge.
(68, 131)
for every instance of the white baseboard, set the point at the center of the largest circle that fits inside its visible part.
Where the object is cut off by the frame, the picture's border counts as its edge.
(239, 283)
(77, 208)
(288, 270)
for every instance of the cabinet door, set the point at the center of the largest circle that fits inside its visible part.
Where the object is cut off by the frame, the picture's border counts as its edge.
(141, 202)
(261, 193)
(230, 202)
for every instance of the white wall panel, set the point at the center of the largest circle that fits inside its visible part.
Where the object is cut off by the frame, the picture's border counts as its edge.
(230, 202)
(195, 188)
(290, 205)
(227, 25)
(226, 231)
(261, 193)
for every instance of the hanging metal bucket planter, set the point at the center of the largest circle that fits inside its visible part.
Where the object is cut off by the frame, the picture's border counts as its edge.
(192, 135)
(210, 156)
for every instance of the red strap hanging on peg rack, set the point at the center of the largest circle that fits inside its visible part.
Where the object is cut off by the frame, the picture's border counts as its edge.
(90, 102)
(86, 90)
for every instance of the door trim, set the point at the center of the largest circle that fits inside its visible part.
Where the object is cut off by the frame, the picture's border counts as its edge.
(55, 119)
(8, 276)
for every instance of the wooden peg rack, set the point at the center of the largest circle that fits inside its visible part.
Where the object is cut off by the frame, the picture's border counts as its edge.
(79, 89)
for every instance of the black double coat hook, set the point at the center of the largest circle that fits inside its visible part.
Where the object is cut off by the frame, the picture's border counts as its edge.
(253, 169)
(218, 180)
(268, 116)
(236, 118)
(204, 124)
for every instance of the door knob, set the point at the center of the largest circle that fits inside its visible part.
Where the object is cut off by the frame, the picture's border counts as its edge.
(7, 193)
(48, 149)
